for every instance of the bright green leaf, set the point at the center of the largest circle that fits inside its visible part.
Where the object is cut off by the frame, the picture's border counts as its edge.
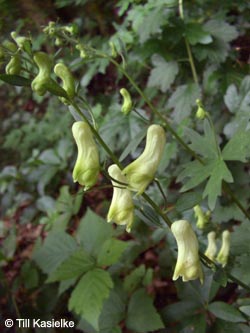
(88, 296)
(78, 263)
(111, 252)
(237, 149)
(93, 231)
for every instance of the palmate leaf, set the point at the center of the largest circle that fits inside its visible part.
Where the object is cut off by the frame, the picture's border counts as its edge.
(163, 74)
(237, 149)
(204, 145)
(88, 296)
(216, 170)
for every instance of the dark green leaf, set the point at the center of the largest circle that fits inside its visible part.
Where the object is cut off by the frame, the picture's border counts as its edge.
(226, 312)
(15, 80)
(142, 315)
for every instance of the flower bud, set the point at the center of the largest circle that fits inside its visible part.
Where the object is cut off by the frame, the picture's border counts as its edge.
(141, 172)
(113, 50)
(65, 75)
(202, 219)
(10, 46)
(43, 77)
(200, 113)
(87, 165)
(188, 265)
(211, 246)
(121, 210)
(223, 254)
(23, 43)
(127, 102)
(14, 65)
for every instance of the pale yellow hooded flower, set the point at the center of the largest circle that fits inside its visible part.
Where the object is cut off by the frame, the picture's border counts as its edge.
(188, 264)
(121, 210)
(141, 172)
(87, 165)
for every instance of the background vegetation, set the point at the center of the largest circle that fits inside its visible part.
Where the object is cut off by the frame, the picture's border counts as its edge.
(57, 251)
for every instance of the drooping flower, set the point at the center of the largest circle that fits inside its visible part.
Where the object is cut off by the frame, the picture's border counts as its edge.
(44, 64)
(188, 264)
(211, 247)
(87, 165)
(62, 71)
(141, 172)
(121, 210)
(223, 254)
(127, 101)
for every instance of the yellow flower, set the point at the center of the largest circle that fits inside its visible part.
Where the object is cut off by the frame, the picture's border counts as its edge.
(211, 247)
(141, 172)
(121, 210)
(87, 165)
(223, 254)
(188, 265)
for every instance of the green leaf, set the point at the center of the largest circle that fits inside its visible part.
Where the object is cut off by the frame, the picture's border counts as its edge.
(204, 145)
(133, 144)
(78, 263)
(88, 296)
(226, 312)
(57, 247)
(232, 99)
(111, 252)
(182, 100)
(132, 280)
(219, 173)
(187, 201)
(221, 29)
(93, 231)
(163, 74)
(196, 35)
(15, 80)
(237, 149)
(142, 315)
(215, 170)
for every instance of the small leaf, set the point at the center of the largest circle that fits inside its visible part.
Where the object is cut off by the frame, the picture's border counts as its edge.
(142, 315)
(78, 263)
(15, 80)
(54, 88)
(187, 201)
(132, 280)
(88, 296)
(163, 74)
(226, 312)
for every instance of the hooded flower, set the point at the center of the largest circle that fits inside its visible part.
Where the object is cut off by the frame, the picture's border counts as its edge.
(141, 172)
(211, 247)
(223, 254)
(188, 264)
(87, 165)
(121, 210)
